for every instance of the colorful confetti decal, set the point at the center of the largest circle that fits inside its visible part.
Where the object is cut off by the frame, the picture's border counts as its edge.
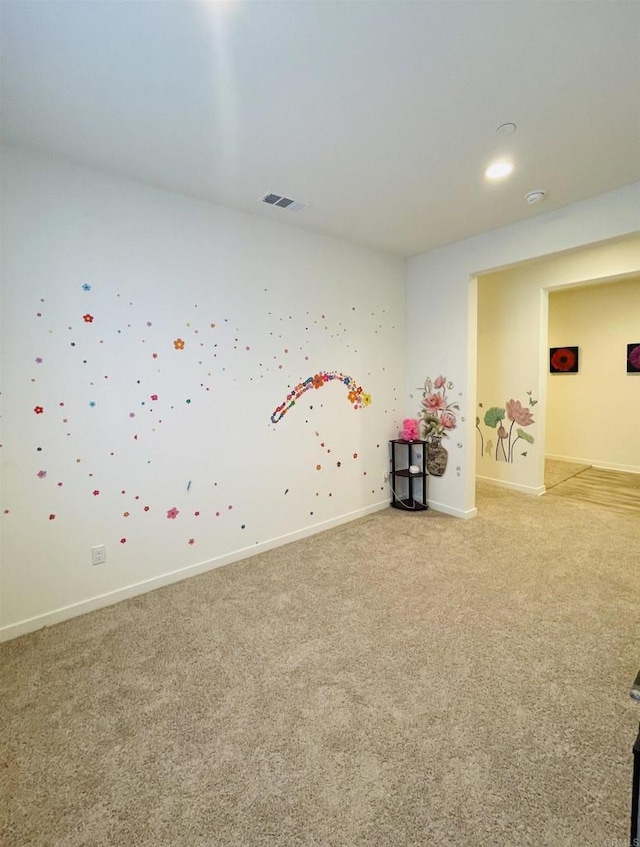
(355, 394)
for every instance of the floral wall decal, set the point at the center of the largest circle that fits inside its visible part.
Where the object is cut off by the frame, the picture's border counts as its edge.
(438, 417)
(355, 395)
(519, 416)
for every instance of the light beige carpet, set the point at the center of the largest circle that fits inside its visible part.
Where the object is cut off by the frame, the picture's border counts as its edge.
(406, 679)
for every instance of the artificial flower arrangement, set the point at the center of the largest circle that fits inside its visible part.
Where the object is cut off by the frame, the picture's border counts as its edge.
(410, 431)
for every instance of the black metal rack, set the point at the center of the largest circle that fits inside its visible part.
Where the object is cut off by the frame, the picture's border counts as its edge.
(410, 503)
(635, 791)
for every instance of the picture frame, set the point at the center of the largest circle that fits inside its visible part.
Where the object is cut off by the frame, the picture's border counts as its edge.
(633, 358)
(564, 360)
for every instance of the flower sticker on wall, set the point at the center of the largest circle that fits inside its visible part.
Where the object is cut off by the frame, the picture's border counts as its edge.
(355, 394)
(438, 418)
(438, 415)
(178, 344)
(563, 360)
(519, 416)
(633, 358)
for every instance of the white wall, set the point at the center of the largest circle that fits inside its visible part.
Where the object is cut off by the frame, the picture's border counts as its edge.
(442, 325)
(513, 347)
(133, 428)
(593, 416)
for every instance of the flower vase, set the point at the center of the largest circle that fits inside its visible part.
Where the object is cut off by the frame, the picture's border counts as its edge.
(437, 456)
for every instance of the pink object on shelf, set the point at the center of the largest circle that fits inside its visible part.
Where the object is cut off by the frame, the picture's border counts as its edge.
(410, 429)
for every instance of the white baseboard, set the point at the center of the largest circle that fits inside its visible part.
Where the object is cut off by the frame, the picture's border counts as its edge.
(535, 491)
(110, 598)
(449, 510)
(596, 463)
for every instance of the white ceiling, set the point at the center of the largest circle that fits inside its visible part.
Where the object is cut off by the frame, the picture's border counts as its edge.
(382, 115)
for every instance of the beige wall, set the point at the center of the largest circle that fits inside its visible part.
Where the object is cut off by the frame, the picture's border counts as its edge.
(441, 315)
(594, 416)
(512, 344)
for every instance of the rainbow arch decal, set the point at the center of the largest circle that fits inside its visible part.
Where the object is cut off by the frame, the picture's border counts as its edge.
(355, 395)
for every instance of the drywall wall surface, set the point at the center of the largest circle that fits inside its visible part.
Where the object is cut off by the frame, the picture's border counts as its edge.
(182, 383)
(442, 323)
(513, 358)
(507, 412)
(593, 416)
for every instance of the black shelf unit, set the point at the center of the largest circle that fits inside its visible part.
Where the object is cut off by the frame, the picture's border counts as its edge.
(635, 791)
(405, 459)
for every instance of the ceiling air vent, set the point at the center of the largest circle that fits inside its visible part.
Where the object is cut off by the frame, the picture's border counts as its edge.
(283, 202)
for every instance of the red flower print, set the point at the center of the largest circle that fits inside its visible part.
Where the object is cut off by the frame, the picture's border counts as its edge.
(38, 410)
(88, 319)
(439, 382)
(192, 541)
(96, 492)
(52, 517)
(173, 513)
(318, 381)
(563, 359)
(178, 344)
(154, 396)
(146, 508)
(123, 541)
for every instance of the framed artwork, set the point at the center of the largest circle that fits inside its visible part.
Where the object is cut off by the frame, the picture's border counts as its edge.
(563, 360)
(633, 358)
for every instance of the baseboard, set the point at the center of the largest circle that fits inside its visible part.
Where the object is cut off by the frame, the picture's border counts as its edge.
(596, 463)
(449, 510)
(535, 491)
(110, 598)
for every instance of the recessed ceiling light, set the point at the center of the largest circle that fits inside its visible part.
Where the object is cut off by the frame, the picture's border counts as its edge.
(498, 170)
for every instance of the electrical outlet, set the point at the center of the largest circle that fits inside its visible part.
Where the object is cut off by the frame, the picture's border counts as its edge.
(98, 555)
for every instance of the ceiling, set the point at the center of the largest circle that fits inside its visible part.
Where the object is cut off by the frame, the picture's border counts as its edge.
(381, 115)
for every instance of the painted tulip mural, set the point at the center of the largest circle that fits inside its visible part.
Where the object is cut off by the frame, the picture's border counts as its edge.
(508, 423)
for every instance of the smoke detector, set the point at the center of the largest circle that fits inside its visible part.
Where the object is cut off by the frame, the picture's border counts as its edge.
(283, 202)
(506, 129)
(535, 196)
